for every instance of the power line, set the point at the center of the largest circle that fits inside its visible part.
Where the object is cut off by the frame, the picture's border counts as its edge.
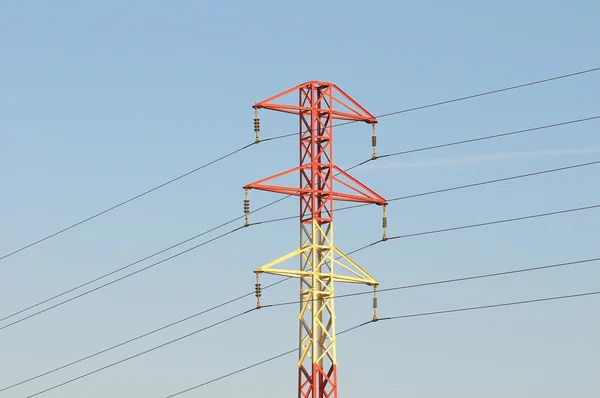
(137, 262)
(286, 218)
(507, 220)
(277, 138)
(489, 137)
(476, 184)
(460, 143)
(294, 217)
(453, 280)
(95, 354)
(164, 184)
(460, 227)
(120, 278)
(459, 187)
(483, 307)
(144, 352)
(254, 365)
(483, 224)
(349, 295)
(421, 314)
(491, 92)
(446, 281)
(468, 97)
(396, 237)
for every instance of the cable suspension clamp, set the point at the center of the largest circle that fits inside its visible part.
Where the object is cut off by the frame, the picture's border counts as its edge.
(374, 142)
(384, 222)
(256, 126)
(258, 291)
(246, 208)
(374, 303)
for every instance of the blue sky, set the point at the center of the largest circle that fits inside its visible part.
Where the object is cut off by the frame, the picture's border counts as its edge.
(100, 102)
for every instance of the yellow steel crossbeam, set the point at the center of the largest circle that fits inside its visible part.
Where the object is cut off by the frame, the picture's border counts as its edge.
(321, 275)
(361, 276)
(319, 258)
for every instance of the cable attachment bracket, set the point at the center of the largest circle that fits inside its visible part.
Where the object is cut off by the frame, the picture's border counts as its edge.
(374, 142)
(257, 291)
(256, 126)
(246, 208)
(375, 303)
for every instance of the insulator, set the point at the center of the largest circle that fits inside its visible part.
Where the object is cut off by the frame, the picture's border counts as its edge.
(256, 125)
(258, 290)
(384, 222)
(374, 140)
(374, 302)
(246, 205)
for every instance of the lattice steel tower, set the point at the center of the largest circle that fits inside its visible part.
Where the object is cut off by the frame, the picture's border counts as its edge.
(321, 263)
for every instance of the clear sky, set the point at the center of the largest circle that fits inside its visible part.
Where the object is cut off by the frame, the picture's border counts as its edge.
(100, 102)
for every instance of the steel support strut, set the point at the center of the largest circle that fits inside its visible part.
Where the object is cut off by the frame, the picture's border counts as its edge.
(320, 103)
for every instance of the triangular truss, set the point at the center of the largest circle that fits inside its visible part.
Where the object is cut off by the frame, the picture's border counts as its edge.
(326, 96)
(331, 259)
(353, 273)
(355, 190)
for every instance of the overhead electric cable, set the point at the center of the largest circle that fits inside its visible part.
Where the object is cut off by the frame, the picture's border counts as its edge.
(285, 197)
(294, 217)
(437, 231)
(120, 278)
(285, 136)
(489, 137)
(461, 142)
(403, 287)
(506, 220)
(459, 187)
(164, 184)
(485, 93)
(95, 354)
(231, 318)
(484, 307)
(483, 224)
(420, 314)
(446, 281)
(497, 180)
(139, 261)
(459, 99)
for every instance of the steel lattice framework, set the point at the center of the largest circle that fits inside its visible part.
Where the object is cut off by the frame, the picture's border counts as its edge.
(321, 263)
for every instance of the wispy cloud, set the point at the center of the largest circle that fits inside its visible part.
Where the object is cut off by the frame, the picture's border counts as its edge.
(480, 158)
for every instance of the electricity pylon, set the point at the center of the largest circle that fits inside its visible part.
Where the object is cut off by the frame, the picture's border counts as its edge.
(321, 263)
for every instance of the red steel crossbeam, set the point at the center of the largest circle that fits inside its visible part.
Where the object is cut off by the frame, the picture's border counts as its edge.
(356, 113)
(365, 195)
